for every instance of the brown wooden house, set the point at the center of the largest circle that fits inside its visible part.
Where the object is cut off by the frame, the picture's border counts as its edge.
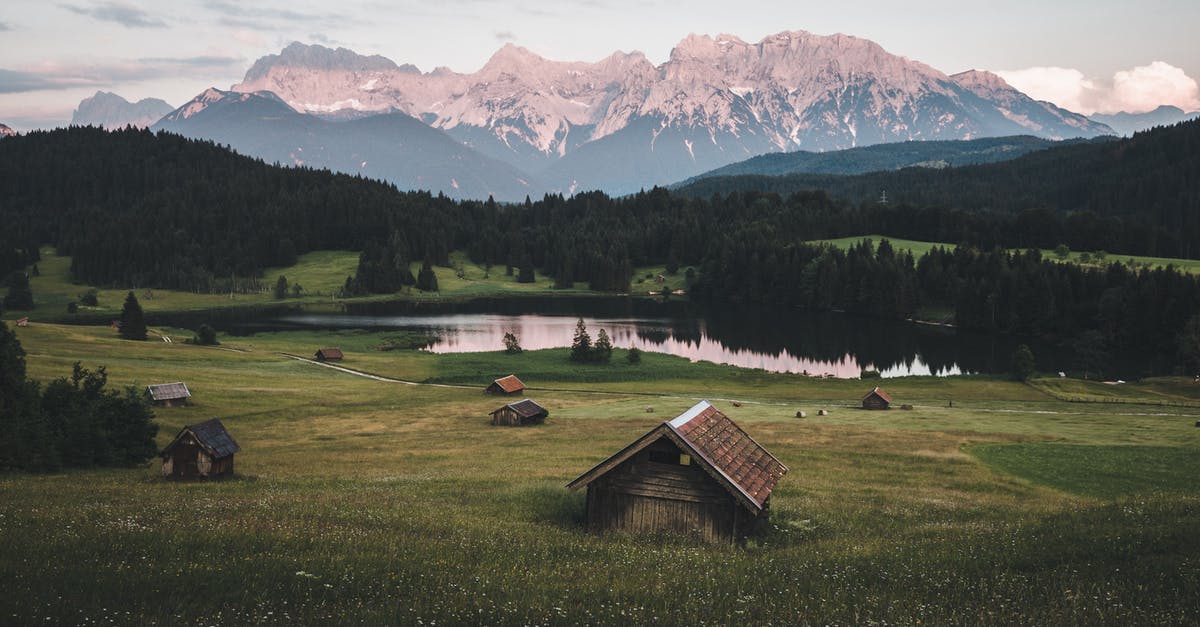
(524, 412)
(329, 354)
(697, 474)
(169, 394)
(200, 451)
(876, 399)
(506, 386)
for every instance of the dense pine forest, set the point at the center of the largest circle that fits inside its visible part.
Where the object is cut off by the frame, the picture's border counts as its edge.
(135, 209)
(1139, 196)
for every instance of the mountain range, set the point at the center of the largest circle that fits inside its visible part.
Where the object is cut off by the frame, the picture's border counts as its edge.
(1127, 124)
(5, 131)
(619, 124)
(111, 111)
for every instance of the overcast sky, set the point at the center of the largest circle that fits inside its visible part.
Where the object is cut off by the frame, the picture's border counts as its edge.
(1098, 55)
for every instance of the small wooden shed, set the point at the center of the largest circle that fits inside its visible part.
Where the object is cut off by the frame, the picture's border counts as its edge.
(169, 394)
(698, 474)
(876, 399)
(523, 412)
(329, 354)
(506, 386)
(200, 451)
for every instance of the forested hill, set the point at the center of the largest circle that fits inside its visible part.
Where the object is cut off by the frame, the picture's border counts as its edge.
(894, 156)
(1151, 179)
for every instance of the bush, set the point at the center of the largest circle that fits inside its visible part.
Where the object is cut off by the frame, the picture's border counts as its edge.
(90, 298)
(869, 374)
(511, 345)
(1023, 364)
(205, 336)
(634, 356)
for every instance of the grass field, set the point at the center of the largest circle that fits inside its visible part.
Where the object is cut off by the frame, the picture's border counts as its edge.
(363, 501)
(919, 249)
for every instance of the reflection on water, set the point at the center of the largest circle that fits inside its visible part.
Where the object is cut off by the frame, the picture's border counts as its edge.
(829, 344)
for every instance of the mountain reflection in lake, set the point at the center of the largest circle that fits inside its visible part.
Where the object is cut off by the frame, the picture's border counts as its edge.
(819, 344)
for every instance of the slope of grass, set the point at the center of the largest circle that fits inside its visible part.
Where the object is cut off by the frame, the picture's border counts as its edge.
(1098, 471)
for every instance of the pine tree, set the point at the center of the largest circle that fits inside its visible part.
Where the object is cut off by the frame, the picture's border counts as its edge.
(133, 321)
(426, 279)
(634, 356)
(1023, 365)
(512, 346)
(19, 296)
(281, 288)
(602, 351)
(581, 346)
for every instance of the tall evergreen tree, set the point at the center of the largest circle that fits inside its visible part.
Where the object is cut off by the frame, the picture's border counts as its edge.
(20, 295)
(133, 321)
(581, 345)
(281, 288)
(602, 351)
(426, 279)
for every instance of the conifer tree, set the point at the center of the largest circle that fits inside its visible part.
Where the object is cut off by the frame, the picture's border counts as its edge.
(602, 351)
(281, 288)
(426, 279)
(133, 321)
(19, 296)
(581, 346)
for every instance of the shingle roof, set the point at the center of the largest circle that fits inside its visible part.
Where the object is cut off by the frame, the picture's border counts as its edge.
(210, 435)
(725, 451)
(331, 353)
(509, 384)
(878, 392)
(526, 408)
(168, 391)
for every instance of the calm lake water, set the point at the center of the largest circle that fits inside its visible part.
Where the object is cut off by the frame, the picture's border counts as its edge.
(834, 344)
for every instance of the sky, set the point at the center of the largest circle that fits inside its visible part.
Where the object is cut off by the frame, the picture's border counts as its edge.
(1088, 56)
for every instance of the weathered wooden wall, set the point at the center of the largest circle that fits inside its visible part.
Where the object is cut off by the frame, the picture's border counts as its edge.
(506, 417)
(874, 402)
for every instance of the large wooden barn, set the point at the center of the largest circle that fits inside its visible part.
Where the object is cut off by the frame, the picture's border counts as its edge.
(506, 386)
(169, 394)
(200, 451)
(697, 474)
(876, 399)
(523, 412)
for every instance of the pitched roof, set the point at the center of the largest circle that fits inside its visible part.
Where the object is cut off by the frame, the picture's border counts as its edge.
(211, 436)
(526, 408)
(168, 391)
(723, 449)
(878, 392)
(331, 353)
(509, 384)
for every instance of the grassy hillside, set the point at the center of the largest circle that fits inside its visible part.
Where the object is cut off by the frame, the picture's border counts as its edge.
(357, 500)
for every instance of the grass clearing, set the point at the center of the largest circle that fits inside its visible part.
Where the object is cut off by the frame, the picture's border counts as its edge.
(362, 501)
(1098, 471)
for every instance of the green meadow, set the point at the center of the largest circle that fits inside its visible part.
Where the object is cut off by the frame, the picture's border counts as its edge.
(358, 500)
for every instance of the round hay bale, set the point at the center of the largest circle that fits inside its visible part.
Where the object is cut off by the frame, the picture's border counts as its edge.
(801, 414)
(823, 412)
(906, 407)
(737, 403)
(649, 410)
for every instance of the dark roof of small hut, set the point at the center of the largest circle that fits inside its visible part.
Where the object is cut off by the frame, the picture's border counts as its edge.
(510, 384)
(211, 436)
(526, 408)
(878, 392)
(331, 353)
(168, 391)
(721, 447)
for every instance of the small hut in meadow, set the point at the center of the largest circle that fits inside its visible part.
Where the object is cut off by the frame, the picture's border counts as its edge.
(200, 451)
(169, 394)
(523, 412)
(329, 354)
(876, 399)
(699, 474)
(506, 386)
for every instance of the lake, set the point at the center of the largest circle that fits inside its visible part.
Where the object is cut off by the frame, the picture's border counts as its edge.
(831, 344)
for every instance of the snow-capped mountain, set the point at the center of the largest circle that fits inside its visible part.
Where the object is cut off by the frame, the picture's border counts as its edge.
(392, 146)
(112, 111)
(623, 123)
(5, 131)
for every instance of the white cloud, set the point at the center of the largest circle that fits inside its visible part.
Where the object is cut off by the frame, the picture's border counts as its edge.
(1135, 90)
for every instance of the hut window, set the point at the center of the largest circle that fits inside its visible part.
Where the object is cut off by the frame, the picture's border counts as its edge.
(670, 457)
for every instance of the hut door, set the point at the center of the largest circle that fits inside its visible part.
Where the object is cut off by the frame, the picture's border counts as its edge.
(184, 460)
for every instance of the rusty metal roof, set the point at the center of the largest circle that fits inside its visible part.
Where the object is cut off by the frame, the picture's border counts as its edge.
(210, 435)
(509, 384)
(169, 391)
(878, 392)
(330, 353)
(725, 451)
(526, 408)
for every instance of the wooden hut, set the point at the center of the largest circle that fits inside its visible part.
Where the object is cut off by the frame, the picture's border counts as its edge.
(523, 412)
(698, 474)
(200, 451)
(876, 399)
(506, 386)
(169, 394)
(329, 354)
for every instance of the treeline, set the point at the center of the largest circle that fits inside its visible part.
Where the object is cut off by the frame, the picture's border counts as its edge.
(1100, 309)
(71, 423)
(1137, 196)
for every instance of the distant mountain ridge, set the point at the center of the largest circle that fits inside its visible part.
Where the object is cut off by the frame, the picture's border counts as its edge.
(5, 131)
(1127, 124)
(111, 111)
(880, 157)
(623, 123)
(391, 146)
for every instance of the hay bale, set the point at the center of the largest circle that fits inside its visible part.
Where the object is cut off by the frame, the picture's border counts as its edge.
(649, 410)
(822, 412)
(801, 414)
(906, 407)
(737, 403)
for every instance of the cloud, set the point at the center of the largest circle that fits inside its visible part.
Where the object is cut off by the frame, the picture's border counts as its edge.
(5, 26)
(1135, 90)
(53, 76)
(239, 15)
(504, 35)
(119, 12)
(323, 40)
